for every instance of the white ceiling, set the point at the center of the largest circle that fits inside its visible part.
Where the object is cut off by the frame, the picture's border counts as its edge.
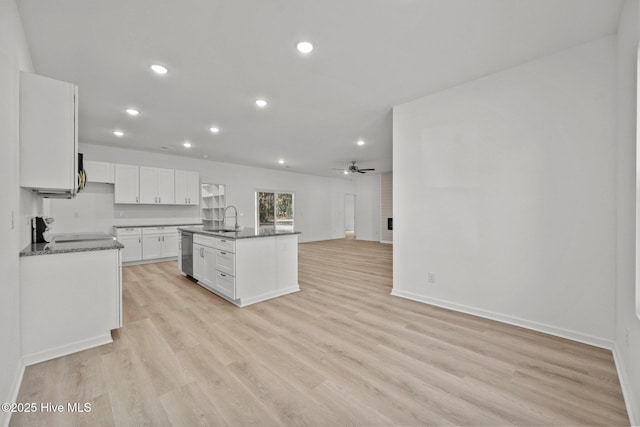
(369, 56)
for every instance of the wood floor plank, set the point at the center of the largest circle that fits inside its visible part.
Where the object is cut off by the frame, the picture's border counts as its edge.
(343, 351)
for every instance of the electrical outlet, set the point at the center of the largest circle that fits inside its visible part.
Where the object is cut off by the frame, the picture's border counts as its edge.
(431, 277)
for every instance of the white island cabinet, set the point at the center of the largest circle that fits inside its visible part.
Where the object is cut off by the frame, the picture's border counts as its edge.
(248, 268)
(70, 301)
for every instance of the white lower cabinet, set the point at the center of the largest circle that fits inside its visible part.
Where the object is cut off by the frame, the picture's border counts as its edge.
(159, 242)
(204, 264)
(226, 284)
(246, 271)
(213, 267)
(69, 302)
(152, 246)
(148, 243)
(131, 238)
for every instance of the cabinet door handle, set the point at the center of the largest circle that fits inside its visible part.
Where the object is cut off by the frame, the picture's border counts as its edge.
(223, 241)
(222, 253)
(163, 238)
(139, 240)
(136, 199)
(223, 275)
(202, 252)
(159, 199)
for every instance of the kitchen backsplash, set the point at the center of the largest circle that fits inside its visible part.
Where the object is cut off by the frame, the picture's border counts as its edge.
(93, 210)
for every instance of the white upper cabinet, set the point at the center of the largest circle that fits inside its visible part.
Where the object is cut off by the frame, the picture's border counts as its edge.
(166, 186)
(157, 186)
(101, 172)
(126, 188)
(148, 185)
(187, 188)
(48, 135)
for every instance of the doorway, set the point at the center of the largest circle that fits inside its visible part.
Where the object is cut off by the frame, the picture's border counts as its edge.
(350, 216)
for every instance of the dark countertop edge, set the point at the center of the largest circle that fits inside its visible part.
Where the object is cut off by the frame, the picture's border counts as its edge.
(111, 245)
(158, 225)
(237, 235)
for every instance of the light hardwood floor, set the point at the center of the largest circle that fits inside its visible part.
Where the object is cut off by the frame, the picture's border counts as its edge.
(340, 352)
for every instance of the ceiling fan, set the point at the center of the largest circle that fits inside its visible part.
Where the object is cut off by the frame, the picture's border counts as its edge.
(353, 169)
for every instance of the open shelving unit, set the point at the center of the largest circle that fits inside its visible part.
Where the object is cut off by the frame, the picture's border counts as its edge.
(212, 203)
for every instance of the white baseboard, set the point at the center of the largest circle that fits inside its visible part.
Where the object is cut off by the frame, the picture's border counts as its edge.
(630, 400)
(149, 261)
(280, 292)
(5, 417)
(33, 358)
(528, 324)
(387, 242)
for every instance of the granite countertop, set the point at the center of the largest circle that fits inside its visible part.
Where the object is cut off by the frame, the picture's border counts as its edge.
(244, 233)
(66, 247)
(182, 224)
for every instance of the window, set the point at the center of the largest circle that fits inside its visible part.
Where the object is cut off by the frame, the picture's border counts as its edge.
(274, 210)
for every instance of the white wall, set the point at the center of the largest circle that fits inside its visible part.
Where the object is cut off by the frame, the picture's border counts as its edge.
(504, 188)
(367, 207)
(627, 355)
(319, 201)
(349, 212)
(14, 56)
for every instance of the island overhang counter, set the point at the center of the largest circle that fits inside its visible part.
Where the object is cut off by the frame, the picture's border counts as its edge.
(244, 266)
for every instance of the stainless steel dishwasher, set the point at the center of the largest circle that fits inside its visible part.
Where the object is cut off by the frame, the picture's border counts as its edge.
(186, 245)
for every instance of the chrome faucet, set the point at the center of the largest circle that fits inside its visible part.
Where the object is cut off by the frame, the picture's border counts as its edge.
(224, 219)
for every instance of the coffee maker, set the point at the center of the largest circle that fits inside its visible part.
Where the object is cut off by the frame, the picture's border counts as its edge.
(39, 225)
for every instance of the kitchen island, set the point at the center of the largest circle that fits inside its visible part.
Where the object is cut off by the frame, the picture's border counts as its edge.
(70, 297)
(245, 266)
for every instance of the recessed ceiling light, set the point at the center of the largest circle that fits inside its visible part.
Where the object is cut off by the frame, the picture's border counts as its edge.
(281, 161)
(159, 69)
(261, 103)
(346, 172)
(360, 142)
(118, 133)
(132, 111)
(205, 156)
(304, 47)
(214, 129)
(187, 144)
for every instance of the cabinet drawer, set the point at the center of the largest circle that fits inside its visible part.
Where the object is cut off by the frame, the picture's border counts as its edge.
(134, 231)
(226, 262)
(225, 284)
(227, 245)
(203, 240)
(159, 230)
